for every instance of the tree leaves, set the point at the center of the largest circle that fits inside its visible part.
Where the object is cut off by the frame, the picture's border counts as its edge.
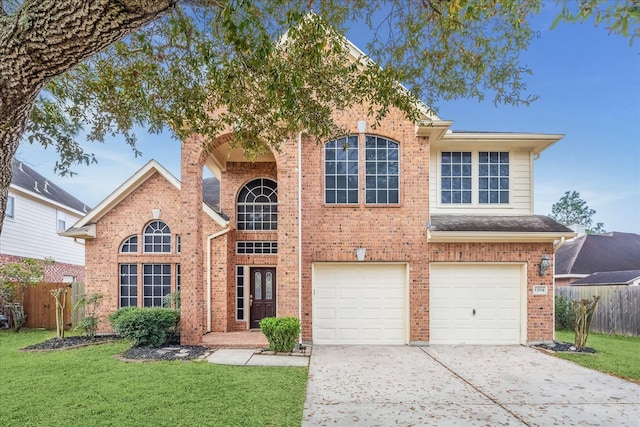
(571, 209)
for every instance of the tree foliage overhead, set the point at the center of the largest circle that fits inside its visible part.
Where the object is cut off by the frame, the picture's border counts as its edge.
(269, 67)
(571, 209)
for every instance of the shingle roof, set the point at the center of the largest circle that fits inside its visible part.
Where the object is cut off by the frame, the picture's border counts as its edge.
(593, 253)
(25, 177)
(211, 195)
(497, 223)
(609, 278)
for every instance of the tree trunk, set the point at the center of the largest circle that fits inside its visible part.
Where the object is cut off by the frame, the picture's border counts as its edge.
(45, 38)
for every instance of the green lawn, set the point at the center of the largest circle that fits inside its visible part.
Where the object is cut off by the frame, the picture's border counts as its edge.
(615, 355)
(89, 387)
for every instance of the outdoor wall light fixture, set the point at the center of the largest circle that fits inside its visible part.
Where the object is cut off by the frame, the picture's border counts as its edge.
(361, 253)
(545, 263)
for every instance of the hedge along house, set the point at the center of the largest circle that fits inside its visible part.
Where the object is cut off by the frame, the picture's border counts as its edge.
(406, 234)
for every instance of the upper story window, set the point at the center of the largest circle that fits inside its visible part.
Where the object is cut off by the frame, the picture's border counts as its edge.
(381, 170)
(61, 223)
(157, 237)
(178, 244)
(455, 177)
(341, 170)
(258, 205)
(493, 177)
(129, 245)
(10, 211)
(474, 177)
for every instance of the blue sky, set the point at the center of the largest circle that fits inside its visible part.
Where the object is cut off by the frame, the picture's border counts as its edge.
(589, 87)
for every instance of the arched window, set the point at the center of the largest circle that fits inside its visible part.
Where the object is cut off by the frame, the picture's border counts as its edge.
(258, 205)
(157, 237)
(381, 171)
(341, 170)
(129, 245)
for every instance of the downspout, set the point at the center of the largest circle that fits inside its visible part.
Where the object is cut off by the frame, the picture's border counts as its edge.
(209, 239)
(300, 233)
(558, 245)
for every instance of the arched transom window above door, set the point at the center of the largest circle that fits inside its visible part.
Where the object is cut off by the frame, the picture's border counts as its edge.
(257, 208)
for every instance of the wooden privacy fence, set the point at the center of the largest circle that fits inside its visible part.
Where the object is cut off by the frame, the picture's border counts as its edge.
(40, 306)
(617, 312)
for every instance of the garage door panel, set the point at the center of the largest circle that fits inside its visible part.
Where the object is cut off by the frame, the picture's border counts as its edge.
(493, 290)
(368, 299)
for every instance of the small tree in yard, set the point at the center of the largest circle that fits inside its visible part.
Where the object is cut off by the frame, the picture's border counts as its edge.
(89, 305)
(15, 278)
(60, 296)
(583, 312)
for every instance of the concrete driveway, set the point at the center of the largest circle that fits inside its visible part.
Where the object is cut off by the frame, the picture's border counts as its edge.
(461, 386)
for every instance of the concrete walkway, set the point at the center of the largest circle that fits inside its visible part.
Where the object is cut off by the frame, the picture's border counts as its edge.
(461, 386)
(249, 357)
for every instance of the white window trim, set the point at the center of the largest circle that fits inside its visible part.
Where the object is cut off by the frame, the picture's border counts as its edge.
(475, 178)
(11, 214)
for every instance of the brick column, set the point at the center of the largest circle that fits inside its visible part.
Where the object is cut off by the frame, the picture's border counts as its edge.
(192, 321)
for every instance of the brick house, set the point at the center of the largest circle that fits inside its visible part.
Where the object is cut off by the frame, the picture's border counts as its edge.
(408, 233)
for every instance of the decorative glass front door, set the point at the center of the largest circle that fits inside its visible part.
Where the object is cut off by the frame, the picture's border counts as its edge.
(262, 299)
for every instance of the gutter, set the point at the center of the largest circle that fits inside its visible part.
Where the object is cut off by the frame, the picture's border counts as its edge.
(300, 234)
(209, 239)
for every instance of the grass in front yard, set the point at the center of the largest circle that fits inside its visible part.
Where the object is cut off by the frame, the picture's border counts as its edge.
(615, 355)
(89, 387)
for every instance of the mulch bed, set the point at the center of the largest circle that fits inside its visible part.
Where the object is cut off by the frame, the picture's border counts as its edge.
(172, 351)
(565, 347)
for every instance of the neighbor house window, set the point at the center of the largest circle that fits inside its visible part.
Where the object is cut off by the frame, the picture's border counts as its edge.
(10, 211)
(156, 283)
(128, 285)
(258, 205)
(341, 170)
(455, 177)
(129, 245)
(157, 237)
(493, 177)
(61, 221)
(382, 169)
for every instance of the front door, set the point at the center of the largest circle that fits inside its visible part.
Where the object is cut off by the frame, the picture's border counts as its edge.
(262, 299)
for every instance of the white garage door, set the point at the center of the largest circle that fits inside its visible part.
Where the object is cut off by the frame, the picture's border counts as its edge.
(362, 303)
(475, 304)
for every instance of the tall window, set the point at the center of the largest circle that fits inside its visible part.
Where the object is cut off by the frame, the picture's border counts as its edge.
(258, 205)
(493, 177)
(381, 166)
(240, 293)
(129, 245)
(10, 211)
(455, 177)
(128, 285)
(157, 237)
(156, 283)
(61, 224)
(341, 170)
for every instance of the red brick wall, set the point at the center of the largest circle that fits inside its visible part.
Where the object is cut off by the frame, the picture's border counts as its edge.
(53, 273)
(565, 281)
(539, 307)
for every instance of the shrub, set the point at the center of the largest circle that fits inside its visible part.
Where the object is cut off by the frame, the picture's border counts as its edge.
(153, 326)
(88, 305)
(281, 332)
(565, 319)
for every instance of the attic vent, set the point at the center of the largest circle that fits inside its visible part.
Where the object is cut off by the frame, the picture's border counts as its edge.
(35, 187)
(84, 208)
(20, 167)
(46, 185)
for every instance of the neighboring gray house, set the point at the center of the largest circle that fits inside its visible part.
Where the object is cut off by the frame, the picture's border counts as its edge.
(621, 278)
(596, 253)
(38, 211)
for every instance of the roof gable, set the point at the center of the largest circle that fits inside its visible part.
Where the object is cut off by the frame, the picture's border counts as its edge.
(124, 190)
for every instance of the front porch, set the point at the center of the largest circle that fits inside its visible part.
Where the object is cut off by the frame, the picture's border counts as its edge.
(245, 339)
